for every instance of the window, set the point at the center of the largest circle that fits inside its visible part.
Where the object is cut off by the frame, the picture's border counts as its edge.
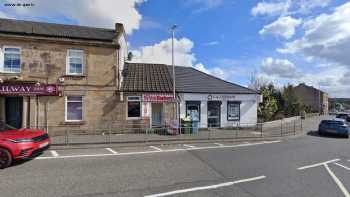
(233, 110)
(12, 60)
(134, 107)
(75, 62)
(74, 108)
(193, 110)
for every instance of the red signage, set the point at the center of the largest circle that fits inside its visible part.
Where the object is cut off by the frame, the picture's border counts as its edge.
(28, 90)
(158, 98)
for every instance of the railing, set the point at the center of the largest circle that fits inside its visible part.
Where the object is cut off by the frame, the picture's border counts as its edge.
(117, 133)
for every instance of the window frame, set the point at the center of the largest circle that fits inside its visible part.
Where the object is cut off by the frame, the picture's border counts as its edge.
(198, 103)
(239, 110)
(127, 107)
(2, 69)
(82, 62)
(66, 108)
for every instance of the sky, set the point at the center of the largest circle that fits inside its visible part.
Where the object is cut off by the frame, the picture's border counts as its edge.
(279, 41)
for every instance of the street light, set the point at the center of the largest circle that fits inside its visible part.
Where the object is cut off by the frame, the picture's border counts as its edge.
(173, 28)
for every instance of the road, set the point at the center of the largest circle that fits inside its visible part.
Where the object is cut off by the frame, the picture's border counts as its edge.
(303, 166)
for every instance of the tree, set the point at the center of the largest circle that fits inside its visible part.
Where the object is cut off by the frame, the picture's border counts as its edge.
(292, 106)
(269, 106)
(256, 82)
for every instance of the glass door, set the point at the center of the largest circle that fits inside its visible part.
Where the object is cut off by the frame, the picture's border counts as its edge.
(214, 113)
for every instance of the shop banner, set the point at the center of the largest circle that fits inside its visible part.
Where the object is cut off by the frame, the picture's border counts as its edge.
(28, 90)
(158, 98)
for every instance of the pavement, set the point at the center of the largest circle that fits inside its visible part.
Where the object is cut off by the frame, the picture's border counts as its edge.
(308, 165)
(137, 136)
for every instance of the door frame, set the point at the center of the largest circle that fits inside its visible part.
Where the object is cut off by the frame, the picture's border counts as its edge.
(21, 99)
(219, 106)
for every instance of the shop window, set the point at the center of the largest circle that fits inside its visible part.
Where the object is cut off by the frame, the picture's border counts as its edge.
(75, 62)
(233, 110)
(74, 108)
(134, 107)
(12, 60)
(193, 110)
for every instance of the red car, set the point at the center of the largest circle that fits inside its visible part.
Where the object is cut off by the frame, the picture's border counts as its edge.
(16, 144)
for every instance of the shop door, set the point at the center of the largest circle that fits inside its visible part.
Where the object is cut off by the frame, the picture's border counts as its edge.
(214, 113)
(13, 111)
(157, 109)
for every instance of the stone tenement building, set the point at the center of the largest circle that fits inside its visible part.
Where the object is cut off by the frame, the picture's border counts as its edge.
(315, 99)
(56, 76)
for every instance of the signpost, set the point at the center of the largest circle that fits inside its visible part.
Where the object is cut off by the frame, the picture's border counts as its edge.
(28, 90)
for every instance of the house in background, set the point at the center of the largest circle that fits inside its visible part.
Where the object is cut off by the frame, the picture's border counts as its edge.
(316, 100)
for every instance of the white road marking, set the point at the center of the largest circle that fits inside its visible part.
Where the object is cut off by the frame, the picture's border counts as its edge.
(337, 181)
(218, 144)
(156, 148)
(345, 167)
(155, 151)
(318, 164)
(206, 187)
(112, 151)
(54, 153)
(189, 146)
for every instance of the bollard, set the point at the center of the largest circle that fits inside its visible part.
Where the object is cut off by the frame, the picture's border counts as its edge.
(261, 129)
(294, 128)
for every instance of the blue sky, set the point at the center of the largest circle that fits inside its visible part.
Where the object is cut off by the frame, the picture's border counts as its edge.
(280, 41)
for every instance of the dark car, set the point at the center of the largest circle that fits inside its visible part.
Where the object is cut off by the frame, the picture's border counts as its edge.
(16, 144)
(344, 116)
(336, 126)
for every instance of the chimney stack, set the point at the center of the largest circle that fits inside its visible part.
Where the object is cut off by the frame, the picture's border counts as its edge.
(119, 28)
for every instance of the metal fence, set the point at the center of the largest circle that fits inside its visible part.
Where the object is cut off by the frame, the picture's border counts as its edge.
(115, 133)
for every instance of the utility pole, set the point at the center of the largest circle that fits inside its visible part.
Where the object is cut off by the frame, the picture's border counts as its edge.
(173, 28)
(172, 58)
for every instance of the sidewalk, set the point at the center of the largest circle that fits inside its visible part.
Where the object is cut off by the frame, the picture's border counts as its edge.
(268, 131)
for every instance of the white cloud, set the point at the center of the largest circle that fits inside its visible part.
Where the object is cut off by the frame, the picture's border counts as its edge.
(270, 8)
(282, 68)
(326, 37)
(216, 71)
(99, 13)
(283, 26)
(161, 52)
(306, 6)
(205, 5)
(212, 43)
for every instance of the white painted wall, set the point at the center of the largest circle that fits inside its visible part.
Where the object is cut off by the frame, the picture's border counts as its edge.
(248, 107)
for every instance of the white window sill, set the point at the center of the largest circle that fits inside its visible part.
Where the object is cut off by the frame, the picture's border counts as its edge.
(134, 118)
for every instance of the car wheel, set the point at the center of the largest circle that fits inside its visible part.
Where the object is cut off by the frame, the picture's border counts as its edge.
(5, 158)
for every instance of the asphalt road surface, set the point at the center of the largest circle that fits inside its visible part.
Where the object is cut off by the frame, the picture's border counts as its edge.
(303, 166)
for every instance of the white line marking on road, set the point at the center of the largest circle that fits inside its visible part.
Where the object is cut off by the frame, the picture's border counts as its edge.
(189, 146)
(54, 153)
(112, 151)
(337, 181)
(218, 144)
(205, 187)
(318, 164)
(156, 148)
(151, 152)
(345, 167)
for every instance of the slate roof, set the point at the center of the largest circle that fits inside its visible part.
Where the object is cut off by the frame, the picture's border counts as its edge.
(31, 28)
(140, 77)
(190, 80)
(146, 78)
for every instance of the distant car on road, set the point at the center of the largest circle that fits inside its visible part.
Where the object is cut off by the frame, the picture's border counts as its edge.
(344, 116)
(16, 144)
(336, 126)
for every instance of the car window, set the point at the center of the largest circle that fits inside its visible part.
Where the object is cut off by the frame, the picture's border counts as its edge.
(5, 127)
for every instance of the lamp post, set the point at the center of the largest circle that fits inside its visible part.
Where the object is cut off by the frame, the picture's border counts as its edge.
(172, 29)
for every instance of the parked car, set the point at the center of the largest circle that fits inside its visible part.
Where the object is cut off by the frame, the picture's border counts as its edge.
(344, 116)
(16, 144)
(336, 126)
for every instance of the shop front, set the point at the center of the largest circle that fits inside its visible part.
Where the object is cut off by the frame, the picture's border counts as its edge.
(19, 102)
(219, 110)
(159, 108)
